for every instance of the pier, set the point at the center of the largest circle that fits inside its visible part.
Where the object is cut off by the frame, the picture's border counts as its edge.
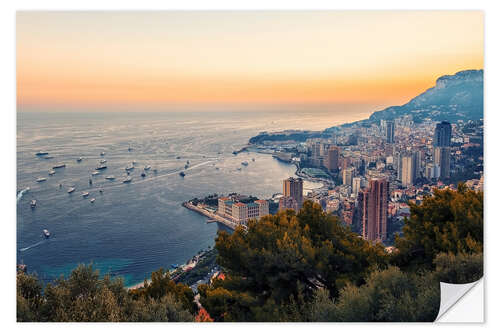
(212, 217)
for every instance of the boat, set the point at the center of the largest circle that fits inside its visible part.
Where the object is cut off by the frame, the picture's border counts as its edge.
(178, 157)
(147, 167)
(41, 153)
(239, 169)
(59, 166)
(41, 179)
(71, 190)
(143, 174)
(92, 200)
(33, 203)
(245, 163)
(85, 194)
(110, 177)
(186, 166)
(47, 157)
(182, 174)
(102, 153)
(79, 159)
(130, 167)
(129, 148)
(46, 233)
(100, 191)
(187, 162)
(127, 180)
(51, 172)
(134, 162)
(95, 173)
(155, 170)
(102, 161)
(101, 167)
(253, 159)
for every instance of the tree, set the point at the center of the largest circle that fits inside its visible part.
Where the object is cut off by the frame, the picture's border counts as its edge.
(284, 257)
(449, 222)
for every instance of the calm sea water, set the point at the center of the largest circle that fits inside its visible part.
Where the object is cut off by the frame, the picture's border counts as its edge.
(133, 229)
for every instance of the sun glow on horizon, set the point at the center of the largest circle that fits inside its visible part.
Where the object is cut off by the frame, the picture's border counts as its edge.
(200, 60)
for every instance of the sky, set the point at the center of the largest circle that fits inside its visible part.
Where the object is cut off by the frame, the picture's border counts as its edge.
(247, 60)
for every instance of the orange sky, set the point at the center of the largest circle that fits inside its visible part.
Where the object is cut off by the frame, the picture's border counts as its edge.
(160, 60)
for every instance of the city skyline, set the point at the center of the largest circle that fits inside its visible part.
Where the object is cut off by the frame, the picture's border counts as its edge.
(160, 61)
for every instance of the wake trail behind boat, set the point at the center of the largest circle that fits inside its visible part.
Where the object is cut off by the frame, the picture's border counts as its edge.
(20, 194)
(31, 246)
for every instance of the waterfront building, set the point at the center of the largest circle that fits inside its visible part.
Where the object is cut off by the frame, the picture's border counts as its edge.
(224, 207)
(442, 135)
(239, 212)
(252, 210)
(373, 209)
(288, 203)
(263, 207)
(389, 131)
(293, 187)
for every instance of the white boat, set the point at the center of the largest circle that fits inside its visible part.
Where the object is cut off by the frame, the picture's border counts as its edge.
(46, 233)
(101, 167)
(71, 190)
(130, 167)
(41, 179)
(92, 200)
(95, 173)
(110, 177)
(102, 153)
(51, 172)
(147, 167)
(127, 180)
(79, 159)
(245, 163)
(134, 162)
(47, 157)
(85, 194)
(59, 166)
(102, 161)
(33, 203)
(41, 153)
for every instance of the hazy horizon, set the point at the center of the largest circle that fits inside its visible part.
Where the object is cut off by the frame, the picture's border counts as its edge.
(195, 61)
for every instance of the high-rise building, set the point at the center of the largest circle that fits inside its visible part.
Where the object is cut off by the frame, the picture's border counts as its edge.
(442, 135)
(407, 170)
(442, 158)
(373, 209)
(293, 187)
(347, 175)
(389, 131)
(332, 159)
(356, 185)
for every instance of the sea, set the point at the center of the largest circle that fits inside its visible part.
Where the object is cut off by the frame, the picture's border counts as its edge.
(133, 229)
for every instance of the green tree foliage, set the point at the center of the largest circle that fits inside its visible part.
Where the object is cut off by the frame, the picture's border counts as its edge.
(450, 221)
(84, 296)
(461, 268)
(284, 258)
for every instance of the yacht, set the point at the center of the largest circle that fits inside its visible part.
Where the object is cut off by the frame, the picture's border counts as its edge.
(147, 167)
(182, 174)
(95, 173)
(102, 153)
(143, 174)
(245, 163)
(90, 181)
(101, 167)
(71, 190)
(92, 200)
(59, 166)
(41, 153)
(130, 167)
(47, 157)
(41, 179)
(52, 172)
(134, 162)
(46, 233)
(129, 148)
(79, 159)
(110, 177)
(33, 203)
(102, 161)
(85, 194)
(127, 180)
